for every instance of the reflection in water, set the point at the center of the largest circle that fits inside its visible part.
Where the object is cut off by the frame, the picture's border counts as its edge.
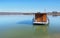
(40, 28)
(41, 31)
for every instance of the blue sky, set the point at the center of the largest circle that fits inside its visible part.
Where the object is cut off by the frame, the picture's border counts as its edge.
(29, 5)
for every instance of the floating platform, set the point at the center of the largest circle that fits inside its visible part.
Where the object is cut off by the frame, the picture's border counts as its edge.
(40, 23)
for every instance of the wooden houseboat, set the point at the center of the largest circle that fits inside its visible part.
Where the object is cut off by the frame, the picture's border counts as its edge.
(40, 18)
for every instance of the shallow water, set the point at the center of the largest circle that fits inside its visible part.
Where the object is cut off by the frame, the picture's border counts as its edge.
(22, 27)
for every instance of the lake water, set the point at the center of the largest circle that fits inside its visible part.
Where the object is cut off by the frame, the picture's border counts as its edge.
(19, 26)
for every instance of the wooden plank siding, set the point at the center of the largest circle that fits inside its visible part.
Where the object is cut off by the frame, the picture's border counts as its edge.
(41, 17)
(44, 17)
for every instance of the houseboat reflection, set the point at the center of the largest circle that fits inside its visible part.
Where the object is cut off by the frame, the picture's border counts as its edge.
(41, 31)
(39, 28)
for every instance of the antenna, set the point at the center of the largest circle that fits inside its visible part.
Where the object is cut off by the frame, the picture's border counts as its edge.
(44, 10)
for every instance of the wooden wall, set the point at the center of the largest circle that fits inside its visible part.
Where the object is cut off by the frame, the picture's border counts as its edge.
(40, 17)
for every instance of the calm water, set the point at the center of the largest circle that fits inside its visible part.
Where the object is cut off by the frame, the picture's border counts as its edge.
(22, 27)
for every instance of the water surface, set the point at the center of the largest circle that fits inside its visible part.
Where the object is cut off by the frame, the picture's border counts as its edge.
(22, 27)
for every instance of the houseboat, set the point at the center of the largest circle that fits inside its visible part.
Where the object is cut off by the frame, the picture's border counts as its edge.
(40, 18)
